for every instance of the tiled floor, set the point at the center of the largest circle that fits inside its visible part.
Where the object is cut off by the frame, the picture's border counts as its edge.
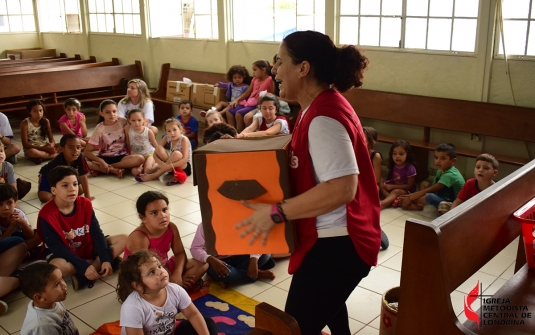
(115, 208)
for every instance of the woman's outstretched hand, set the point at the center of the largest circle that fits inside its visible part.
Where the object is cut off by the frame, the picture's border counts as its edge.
(258, 224)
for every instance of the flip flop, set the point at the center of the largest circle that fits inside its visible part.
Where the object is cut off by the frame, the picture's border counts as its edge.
(120, 175)
(139, 178)
(173, 182)
(94, 173)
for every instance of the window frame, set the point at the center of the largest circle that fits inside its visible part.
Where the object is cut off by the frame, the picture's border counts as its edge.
(231, 26)
(113, 14)
(63, 15)
(497, 37)
(214, 13)
(7, 16)
(403, 17)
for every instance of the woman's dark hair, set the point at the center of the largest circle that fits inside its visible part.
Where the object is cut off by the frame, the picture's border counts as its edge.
(103, 105)
(218, 130)
(129, 273)
(72, 102)
(59, 172)
(342, 67)
(241, 70)
(146, 198)
(43, 123)
(270, 97)
(410, 156)
(263, 64)
(7, 191)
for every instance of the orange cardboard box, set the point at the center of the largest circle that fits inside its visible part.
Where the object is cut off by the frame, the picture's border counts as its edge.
(228, 171)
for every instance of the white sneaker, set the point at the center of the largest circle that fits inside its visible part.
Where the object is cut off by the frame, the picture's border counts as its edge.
(3, 307)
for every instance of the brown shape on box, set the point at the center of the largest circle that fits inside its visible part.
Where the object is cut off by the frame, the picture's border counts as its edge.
(227, 161)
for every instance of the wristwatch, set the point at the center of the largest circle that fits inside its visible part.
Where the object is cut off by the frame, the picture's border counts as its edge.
(277, 216)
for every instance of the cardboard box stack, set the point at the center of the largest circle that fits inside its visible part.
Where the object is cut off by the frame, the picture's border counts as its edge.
(206, 96)
(178, 91)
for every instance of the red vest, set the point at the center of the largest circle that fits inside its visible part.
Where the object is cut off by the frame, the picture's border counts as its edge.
(363, 211)
(264, 126)
(74, 230)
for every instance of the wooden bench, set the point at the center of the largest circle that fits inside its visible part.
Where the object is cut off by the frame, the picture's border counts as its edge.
(45, 66)
(272, 321)
(163, 108)
(18, 62)
(68, 67)
(89, 85)
(441, 255)
(428, 113)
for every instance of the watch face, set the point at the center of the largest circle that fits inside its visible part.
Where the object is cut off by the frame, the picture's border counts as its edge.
(276, 218)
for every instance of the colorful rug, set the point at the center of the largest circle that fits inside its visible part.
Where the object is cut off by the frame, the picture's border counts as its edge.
(232, 311)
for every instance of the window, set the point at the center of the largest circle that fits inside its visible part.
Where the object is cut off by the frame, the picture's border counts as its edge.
(59, 16)
(184, 18)
(16, 16)
(272, 20)
(518, 27)
(114, 16)
(447, 25)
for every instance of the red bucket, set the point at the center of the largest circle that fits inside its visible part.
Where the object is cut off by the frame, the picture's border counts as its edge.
(526, 216)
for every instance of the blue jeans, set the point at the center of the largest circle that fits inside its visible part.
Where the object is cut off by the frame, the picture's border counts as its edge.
(10, 242)
(433, 199)
(238, 266)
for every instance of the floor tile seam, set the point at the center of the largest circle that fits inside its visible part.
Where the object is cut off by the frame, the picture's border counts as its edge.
(95, 298)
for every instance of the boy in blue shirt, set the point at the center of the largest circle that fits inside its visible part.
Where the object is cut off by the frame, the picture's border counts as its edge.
(446, 185)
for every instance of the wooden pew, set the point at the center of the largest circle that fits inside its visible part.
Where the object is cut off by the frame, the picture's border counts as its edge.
(68, 67)
(89, 85)
(272, 321)
(18, 62)
(43, 66)
(441, 255)
(163, 108)
(428, 113)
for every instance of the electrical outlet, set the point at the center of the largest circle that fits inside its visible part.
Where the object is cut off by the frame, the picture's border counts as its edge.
(475, 137)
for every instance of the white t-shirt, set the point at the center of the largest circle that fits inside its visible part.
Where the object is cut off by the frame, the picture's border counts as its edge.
(55, 321)
(136, 312)
(333, 157)
(148, 110)
(285, 130)
(5, 127)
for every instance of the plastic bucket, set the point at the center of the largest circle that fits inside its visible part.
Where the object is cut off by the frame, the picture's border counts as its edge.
(526, 216)
(389, 316)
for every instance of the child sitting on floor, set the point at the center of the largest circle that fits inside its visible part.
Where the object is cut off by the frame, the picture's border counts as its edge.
(268, 122)
(13, 221)
(445, 187)
(46, 314)
(191, 126)
(7, 175)
(159, 234)
(177, 161)
(70, 155)
(486, 168)
(150, 301)
(110, 139)
(375, 156)
(238, 82)
(236, 269)
(73, 121)
(141, 140)
(70, 229)
(401, 174)
(36, 134)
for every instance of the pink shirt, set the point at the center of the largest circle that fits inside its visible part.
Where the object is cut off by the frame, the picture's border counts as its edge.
(76, 128)
(258, 86)
(111, 140)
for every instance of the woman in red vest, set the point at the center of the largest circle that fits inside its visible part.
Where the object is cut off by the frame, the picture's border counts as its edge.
(335, 206)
